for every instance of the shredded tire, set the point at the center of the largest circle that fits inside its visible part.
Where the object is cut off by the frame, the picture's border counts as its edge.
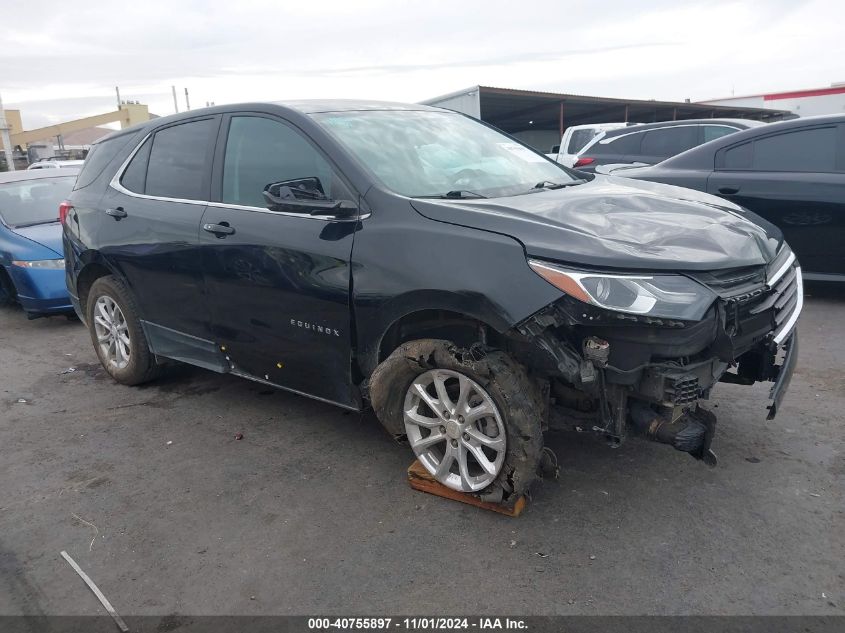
(519, 399)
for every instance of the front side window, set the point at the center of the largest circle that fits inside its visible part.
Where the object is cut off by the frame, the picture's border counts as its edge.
(669, 141)
(261, 152)
(177, 162)
(429, 154)
(35, 201)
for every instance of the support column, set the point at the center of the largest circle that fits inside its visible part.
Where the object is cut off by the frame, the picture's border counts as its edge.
(560, 122)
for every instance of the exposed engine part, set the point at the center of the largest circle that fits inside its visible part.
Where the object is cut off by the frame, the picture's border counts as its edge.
(596, 350)
(682, 390)
(549, 467)
(691, 433)
(565, 359)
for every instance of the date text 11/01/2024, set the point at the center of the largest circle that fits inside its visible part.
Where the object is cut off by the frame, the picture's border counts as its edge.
(417, 623)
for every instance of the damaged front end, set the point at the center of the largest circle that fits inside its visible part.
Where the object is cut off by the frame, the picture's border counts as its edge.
(645, 371)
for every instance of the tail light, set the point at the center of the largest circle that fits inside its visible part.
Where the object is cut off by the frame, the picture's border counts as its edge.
(64, 208)
(581, 162)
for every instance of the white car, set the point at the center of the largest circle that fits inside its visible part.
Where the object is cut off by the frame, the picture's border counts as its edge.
(56, 164)
(576, 137)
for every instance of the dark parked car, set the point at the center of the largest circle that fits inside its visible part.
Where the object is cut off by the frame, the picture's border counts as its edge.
(32, 268)
(416, 260)
(653, 142)
(791, 173)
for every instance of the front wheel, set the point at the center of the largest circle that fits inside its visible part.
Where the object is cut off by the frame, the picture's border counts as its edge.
(473, 420)
(116, 332)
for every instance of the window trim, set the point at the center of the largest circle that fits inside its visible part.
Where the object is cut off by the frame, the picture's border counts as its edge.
(218, 148)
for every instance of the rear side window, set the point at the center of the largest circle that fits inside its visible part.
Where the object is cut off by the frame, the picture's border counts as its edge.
(804, 150)
(178, 159)
(579, 139)
(669, 141)
(811, 150)
(98, 157)
(738, 157)
(619, 145)
(135, 176)
(712, 132)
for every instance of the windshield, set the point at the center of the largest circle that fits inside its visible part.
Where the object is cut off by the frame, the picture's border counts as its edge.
(29, 202)
(421, 153)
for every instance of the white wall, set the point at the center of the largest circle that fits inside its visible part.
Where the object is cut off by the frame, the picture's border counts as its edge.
(802, 106)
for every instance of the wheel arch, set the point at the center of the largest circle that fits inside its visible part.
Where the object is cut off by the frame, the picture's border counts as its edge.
(92, 270)
(426, 316)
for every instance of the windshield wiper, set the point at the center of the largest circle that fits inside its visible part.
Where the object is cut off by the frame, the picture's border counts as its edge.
(455, 194)
(23, 226)
(548, 184)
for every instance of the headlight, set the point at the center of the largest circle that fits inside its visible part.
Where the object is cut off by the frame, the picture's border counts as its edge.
(664, 296)
(51, 264)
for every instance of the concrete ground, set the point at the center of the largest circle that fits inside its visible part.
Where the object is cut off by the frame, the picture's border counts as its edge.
(311, 513)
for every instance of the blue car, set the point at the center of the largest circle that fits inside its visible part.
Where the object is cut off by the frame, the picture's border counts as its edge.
(32, 267)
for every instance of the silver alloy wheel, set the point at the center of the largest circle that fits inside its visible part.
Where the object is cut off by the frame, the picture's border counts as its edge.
(455, 429)
(112, 332)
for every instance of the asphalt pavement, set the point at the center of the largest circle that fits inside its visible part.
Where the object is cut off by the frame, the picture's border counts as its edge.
(149, 491)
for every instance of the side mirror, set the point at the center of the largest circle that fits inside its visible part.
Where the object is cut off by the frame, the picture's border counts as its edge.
(306, 196)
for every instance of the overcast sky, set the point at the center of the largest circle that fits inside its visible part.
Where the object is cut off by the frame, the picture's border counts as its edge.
(61, 60)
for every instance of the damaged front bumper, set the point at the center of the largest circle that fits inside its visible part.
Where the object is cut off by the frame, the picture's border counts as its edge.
(614, 374)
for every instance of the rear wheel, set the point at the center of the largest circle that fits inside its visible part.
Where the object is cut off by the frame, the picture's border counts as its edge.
(472, 419)
(116, 333)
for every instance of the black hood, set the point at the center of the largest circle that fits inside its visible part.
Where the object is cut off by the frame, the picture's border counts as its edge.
(614, 222)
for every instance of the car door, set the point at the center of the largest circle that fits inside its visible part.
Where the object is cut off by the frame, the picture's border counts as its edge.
(149, 232)
(278, 283)
(796, 180)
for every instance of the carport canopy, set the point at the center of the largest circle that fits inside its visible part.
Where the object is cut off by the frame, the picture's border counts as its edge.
(521, 110)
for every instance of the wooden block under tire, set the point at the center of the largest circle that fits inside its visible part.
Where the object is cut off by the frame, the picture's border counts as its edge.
(421, 479)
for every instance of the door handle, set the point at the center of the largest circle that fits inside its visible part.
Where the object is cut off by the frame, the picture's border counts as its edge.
(117, 213)
(729, 190)
(220, 230)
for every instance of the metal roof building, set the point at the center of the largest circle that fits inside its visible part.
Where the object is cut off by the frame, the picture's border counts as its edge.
(539, 118)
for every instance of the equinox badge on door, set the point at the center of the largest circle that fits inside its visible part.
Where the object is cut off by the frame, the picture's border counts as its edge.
(319, 329)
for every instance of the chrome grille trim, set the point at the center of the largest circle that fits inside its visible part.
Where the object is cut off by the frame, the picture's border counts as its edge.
(787, 327)
(771, 281)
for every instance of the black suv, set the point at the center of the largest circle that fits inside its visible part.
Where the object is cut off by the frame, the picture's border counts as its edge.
(470, 290)
(653, 142)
